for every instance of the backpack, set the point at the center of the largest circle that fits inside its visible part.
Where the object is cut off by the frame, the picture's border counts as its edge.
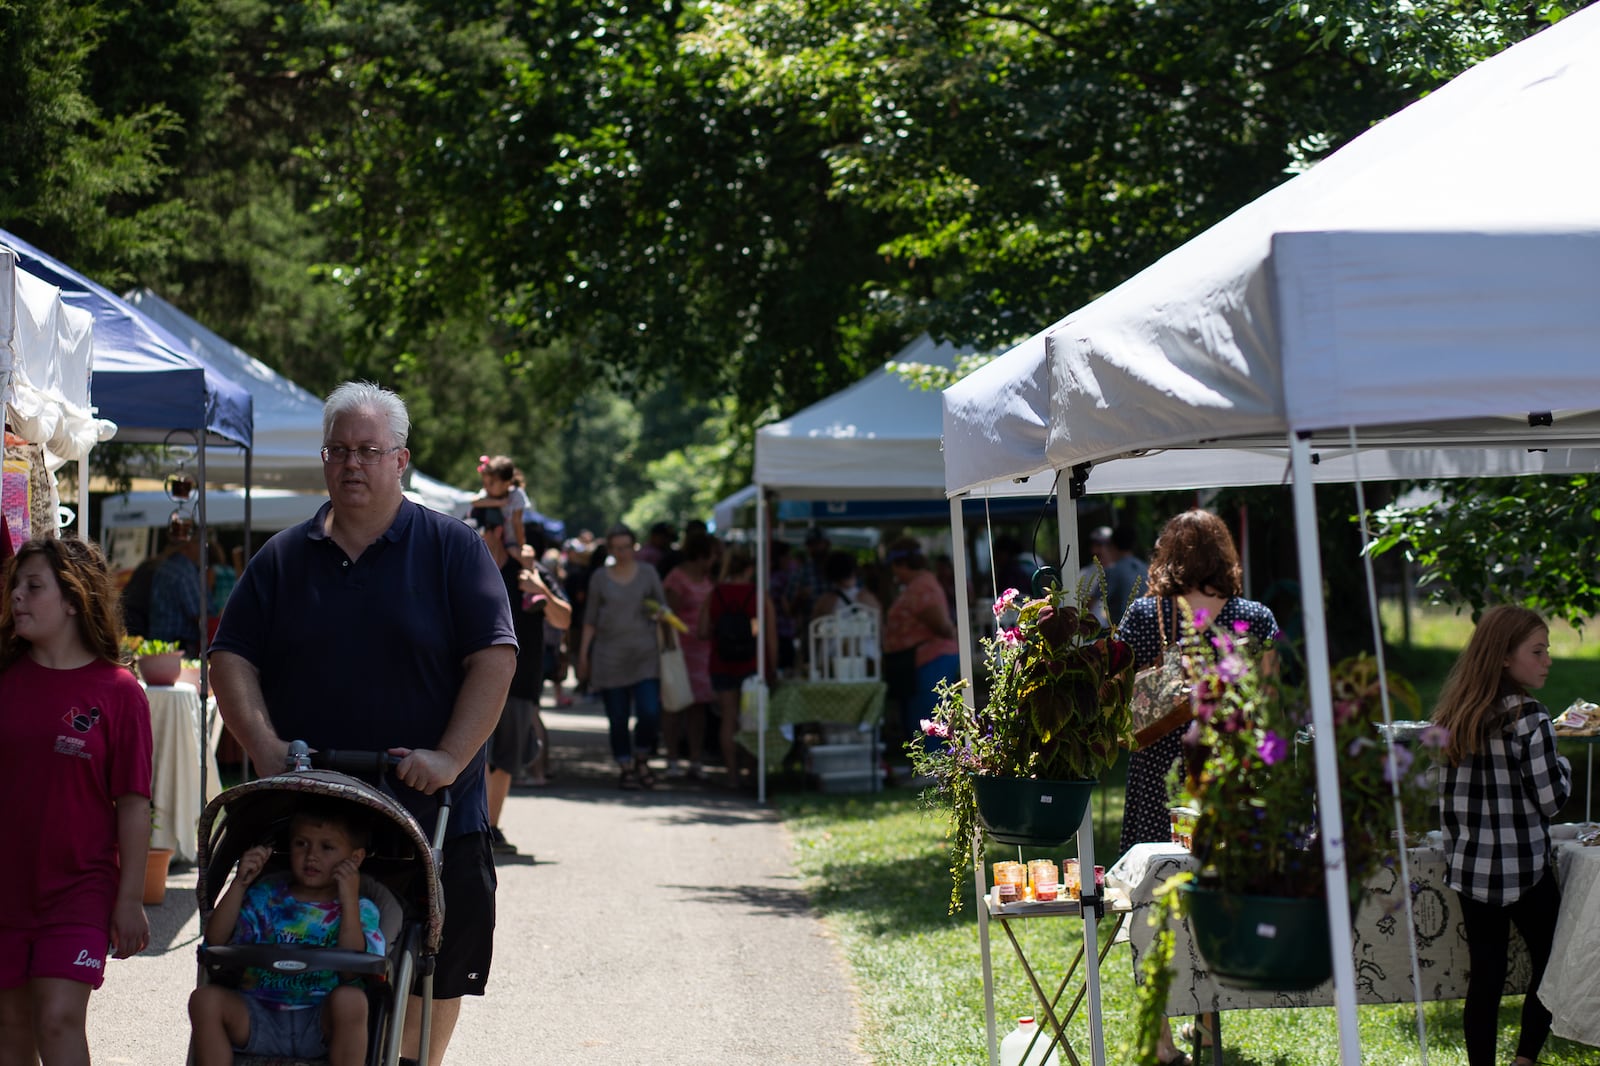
(732, 637)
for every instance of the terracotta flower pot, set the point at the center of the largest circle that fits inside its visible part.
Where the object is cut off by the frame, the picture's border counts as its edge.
(161, 669)
(157, 862)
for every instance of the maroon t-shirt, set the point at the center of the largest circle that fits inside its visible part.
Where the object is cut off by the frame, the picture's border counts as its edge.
(71, 742)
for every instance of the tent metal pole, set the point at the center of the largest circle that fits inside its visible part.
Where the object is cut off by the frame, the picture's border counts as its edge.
(958, 557)
(205, 605)
(1067, 538)
(761, 655)
(1329, 811)
(249, 473)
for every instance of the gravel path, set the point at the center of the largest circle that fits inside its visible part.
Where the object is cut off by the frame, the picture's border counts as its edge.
(666, 927)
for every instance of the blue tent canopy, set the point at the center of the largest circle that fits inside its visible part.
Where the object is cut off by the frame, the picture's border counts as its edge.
(145, 380)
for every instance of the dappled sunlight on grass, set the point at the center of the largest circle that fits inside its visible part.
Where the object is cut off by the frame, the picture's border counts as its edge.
(874, 867)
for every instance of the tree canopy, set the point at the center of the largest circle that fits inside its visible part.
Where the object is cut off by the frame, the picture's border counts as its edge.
(523, 214)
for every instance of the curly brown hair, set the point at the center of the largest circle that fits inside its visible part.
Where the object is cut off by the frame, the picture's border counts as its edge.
(1195, 551)
(80, 570)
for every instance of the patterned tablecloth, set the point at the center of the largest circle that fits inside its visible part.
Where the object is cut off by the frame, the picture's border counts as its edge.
(858, 703)
(1382, 962)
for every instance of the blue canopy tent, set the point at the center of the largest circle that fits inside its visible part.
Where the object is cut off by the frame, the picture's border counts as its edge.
(152, 386)
(144, 379)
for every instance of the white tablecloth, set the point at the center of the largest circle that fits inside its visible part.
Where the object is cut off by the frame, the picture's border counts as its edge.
(176, 728)
(1571, 987)
(1382, 962)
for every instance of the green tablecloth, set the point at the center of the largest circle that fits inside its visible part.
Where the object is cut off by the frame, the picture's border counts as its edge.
(793, 702)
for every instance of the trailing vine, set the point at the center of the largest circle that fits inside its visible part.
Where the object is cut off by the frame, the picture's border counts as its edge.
(1155, 972)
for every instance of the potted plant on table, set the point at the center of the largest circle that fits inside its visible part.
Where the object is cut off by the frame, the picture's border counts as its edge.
(1025, 764)
(160, 661)
(1257, 901)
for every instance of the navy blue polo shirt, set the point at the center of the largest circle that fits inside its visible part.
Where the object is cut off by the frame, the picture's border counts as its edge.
(369, 654)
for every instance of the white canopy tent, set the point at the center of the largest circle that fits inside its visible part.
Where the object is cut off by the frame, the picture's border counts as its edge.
(1431, 285)
(46, 354)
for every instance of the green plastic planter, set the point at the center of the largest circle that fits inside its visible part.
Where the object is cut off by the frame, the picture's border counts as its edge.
(1030, 812)
(1261, 942)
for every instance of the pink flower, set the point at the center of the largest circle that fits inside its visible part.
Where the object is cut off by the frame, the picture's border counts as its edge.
(1201, 617)
(1344, 710)
(1232, 668)
(1004, 604)
(935, 729)
(1272, 748)
(1240, 626)
(1012, 636)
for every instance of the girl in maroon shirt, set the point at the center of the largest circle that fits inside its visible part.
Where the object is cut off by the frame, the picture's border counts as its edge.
(75, 752)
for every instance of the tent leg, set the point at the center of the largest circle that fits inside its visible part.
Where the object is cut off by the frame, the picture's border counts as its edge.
(761, 655)
(958, 555)
(1328, 808)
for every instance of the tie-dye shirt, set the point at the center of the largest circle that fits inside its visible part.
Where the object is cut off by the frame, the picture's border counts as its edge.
(270, 915)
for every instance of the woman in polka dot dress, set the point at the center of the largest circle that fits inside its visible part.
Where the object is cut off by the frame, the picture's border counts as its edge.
(1194, 559)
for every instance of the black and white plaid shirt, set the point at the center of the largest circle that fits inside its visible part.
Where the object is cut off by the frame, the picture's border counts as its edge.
(1498, 804)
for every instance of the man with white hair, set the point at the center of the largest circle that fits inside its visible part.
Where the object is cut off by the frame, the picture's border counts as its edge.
(381, 625)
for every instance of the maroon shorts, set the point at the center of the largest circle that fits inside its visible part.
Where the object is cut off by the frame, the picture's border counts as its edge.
(70, 952)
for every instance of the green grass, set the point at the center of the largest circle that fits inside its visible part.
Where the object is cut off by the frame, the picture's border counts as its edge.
(876, 870)
(875, 866)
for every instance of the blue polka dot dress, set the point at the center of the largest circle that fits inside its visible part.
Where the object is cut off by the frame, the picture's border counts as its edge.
(1145, 815)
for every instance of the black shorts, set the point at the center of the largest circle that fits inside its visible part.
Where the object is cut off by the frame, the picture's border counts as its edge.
(466, 947)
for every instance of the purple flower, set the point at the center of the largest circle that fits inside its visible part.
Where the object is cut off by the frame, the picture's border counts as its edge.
(1434, 736)
(1201, 617)
(1357, 745)
(1232, 668)
(1402, 762)
(1240, 626)
(1272, 748)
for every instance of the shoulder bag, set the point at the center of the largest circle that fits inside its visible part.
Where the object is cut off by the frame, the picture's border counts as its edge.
(676, 692)
(1161, 693)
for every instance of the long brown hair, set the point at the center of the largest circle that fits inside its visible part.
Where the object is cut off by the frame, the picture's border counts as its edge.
(1469, 703)
(1195, 551)
(81, 572)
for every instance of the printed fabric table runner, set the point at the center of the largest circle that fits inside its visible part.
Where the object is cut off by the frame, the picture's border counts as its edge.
(1382, 962)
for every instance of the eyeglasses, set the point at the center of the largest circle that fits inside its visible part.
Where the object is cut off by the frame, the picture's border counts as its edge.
(366, 455)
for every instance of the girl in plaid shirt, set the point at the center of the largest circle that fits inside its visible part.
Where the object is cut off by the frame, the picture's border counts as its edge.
(1502, 783)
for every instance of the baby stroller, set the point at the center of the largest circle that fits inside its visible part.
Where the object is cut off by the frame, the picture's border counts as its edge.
(400, 874)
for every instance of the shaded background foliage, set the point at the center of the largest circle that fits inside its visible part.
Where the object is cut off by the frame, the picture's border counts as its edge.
(610, 238)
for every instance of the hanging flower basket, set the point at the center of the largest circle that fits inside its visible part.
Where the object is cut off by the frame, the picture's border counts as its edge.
(1031, 812)
(1277, 943)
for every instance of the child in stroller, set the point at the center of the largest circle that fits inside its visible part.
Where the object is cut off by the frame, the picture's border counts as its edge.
(307, 1012)
(398, 874)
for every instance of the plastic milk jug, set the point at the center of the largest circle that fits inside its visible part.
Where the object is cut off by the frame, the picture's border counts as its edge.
(1015, 1046)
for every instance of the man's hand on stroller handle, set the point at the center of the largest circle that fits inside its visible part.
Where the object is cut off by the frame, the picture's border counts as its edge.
(425, 769)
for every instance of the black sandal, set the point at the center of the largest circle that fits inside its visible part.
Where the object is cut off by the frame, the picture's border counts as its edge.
(646, 778)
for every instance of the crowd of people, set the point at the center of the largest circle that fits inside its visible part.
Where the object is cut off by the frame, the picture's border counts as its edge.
(434, 638)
